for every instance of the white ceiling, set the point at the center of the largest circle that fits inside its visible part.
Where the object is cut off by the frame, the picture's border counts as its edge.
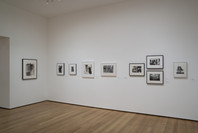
(58, 6)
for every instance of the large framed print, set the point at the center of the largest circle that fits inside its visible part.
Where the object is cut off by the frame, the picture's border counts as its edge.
(72, 69)
(108, 70)
(155, 77)
(60, 69)
(29, 69)
(136, 69)
(180, 69)
(88, 69)
(155, 61)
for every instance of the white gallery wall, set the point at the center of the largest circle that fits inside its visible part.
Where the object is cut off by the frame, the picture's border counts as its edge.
(27, 34)
(126, 33)
(4, 72)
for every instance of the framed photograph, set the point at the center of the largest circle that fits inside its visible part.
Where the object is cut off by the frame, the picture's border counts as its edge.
(155, 61)
(88, 70)
(155, 77)
(60, 69)
(72, 69)
(180, 69)
(136, 69)
(29, 69)
(108, 69)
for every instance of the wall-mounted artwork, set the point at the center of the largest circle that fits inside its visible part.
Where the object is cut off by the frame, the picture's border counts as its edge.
(180, 69)
(155, 77)
(29, 69)
(108, 69)
(60, 69)
(72, 69)
(88, 70)
(136, 69)
(155, 61)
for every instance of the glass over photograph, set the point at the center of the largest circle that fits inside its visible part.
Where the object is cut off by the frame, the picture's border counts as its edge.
(29, 69)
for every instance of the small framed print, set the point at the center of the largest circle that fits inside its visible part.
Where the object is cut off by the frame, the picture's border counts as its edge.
(72, 69)
(180, 69)
(88, 70)
(155, 61)
(136, 69)
(155, 77)
(29, 69)
(60, 69)
(108, 69)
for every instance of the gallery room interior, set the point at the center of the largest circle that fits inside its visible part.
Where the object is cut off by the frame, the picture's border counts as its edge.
(99, 66)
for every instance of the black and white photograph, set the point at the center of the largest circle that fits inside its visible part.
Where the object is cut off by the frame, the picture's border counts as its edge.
(155, 61)
(180, 69)
(60, 69)
(29, 69)
(108, 69)
(155, 77)
(88, 70)
(72, 69)
(136, 69)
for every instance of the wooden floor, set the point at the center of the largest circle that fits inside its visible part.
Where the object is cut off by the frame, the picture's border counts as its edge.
(51, 117)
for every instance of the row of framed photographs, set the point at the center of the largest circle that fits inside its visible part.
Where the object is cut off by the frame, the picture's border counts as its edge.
(29, 70)
(88, 69)
(109, 69)
(60, 69)
(135, 69)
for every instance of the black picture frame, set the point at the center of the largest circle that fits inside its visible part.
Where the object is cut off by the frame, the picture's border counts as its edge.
(137, 69)
(155, 77)
(29, 69)
(60, 69)
(154, 61)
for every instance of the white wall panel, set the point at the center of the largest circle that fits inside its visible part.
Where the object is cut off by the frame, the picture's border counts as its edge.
(4, 72)
(125, 33)
(27, 33)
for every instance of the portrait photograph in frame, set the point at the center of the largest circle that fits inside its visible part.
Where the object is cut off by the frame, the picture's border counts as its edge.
(180, 69)
(29, 69)
(60, 69)
(108, 69)
(155, 77)
(88, 69)
(155, 61)
(136, 69)
(72, 69)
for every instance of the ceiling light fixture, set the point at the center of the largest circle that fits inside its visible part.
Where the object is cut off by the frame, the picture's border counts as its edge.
(51, 1)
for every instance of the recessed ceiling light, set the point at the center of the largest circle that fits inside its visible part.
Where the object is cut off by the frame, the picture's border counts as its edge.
(51, 1)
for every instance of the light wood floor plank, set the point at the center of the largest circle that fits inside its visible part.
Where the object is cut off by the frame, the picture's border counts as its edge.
(52, 117)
